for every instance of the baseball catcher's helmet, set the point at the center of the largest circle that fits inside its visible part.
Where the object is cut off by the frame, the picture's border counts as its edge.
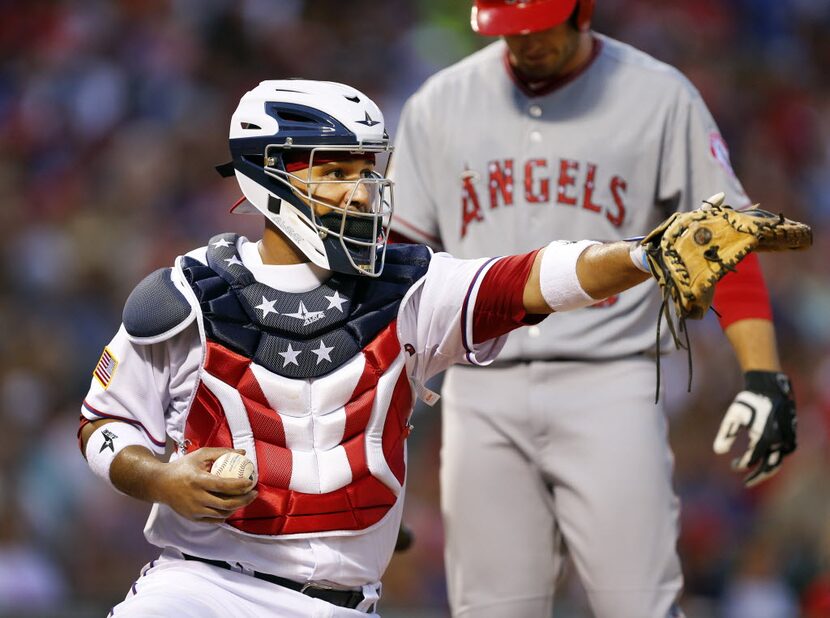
(500, 17)
(281, 129)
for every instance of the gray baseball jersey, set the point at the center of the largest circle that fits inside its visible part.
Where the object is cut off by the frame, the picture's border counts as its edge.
(490, 170)
(536, 454)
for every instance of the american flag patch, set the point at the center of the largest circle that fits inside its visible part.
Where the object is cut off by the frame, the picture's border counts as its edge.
(105, 368)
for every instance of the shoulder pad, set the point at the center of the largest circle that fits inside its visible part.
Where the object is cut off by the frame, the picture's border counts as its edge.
(156, 309)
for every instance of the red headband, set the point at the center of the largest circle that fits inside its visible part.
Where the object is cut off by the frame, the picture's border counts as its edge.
(299, 161)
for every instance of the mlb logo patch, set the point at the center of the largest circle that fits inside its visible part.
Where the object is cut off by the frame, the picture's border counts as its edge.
(105, 368)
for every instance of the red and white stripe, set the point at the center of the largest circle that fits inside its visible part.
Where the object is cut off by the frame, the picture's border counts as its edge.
(332, 446)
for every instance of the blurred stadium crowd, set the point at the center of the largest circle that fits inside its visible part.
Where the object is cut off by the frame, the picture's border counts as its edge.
(112, 115)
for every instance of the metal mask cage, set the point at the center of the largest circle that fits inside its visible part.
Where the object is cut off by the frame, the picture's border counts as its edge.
(361, 253)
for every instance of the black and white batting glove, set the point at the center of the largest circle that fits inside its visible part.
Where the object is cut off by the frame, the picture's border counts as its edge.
(766, 408)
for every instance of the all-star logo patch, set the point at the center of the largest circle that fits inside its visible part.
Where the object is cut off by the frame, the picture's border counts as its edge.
(720, 151)
(308, 317)
(109, 437)
(105, 369)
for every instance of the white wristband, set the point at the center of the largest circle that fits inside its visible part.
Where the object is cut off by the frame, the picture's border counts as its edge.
(637, 254)
(109, 440)
(557, 277)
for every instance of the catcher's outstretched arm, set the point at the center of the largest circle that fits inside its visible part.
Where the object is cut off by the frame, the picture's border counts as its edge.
(571, 275)
(688, 254)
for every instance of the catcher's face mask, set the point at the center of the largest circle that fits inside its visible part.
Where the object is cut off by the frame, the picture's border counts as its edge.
(348, 199)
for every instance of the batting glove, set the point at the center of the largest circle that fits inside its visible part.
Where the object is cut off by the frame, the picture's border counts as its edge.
(766, 408)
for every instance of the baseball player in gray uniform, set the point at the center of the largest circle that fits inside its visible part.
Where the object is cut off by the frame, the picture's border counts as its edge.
(554, 130)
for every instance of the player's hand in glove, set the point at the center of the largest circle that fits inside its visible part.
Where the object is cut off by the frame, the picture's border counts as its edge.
(766, 409)
(691, 251)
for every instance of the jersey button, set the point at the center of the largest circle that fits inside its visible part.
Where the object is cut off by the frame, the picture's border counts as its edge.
(535, 110)
(535, 137)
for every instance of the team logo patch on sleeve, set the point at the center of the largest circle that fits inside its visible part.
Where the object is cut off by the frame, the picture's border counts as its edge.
(720, 151)
(105, 368)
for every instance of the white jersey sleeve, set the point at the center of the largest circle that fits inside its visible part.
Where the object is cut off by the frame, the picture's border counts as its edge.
(436, 318)
(144, 384)
(695, 163)
(416, 215)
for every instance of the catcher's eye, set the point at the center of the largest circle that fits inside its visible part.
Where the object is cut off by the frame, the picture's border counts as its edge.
(336, 173)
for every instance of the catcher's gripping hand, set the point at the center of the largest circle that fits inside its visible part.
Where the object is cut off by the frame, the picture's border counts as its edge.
(766, 408)
(691, 251)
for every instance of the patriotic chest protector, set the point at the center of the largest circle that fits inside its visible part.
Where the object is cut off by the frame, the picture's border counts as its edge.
(313, 385)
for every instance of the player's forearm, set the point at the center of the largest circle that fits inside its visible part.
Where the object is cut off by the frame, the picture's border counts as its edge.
(607, 269)
(135, 470)
(138, 473)
(602, 270)
(754, 343)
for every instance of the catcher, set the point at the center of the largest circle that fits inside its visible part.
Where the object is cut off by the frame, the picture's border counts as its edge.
(306, 349)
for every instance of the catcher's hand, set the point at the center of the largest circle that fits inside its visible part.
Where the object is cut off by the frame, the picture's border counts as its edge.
(766, 408)
(691, 251)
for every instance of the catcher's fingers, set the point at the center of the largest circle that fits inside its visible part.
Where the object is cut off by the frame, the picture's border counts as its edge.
(749, 410)
(224, 485)
(770, 466)
(229, 503)
(215, 507)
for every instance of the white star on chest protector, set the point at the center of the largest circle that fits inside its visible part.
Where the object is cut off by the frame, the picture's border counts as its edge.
(267, 306)
(233, 260)
(289, 357)
(323, 352)
(336, 301)
(220, 243)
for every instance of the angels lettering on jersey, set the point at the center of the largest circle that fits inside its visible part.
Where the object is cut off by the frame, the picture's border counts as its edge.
(539, 181)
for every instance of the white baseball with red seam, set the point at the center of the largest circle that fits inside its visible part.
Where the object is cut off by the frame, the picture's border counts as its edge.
(234, 466)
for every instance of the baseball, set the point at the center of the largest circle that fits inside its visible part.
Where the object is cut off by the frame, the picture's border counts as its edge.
(234, 465)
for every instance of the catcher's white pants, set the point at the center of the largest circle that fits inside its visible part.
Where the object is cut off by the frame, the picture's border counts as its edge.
(542, 458)
(171, 586)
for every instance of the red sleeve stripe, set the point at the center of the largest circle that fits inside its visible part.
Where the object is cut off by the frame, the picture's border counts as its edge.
(131, 421)
(499, 306)
(743, 294)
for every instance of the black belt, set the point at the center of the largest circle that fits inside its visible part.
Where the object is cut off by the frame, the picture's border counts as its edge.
(341, 598)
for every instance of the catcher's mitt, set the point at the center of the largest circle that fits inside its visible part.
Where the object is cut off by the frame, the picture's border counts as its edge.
(691, 251)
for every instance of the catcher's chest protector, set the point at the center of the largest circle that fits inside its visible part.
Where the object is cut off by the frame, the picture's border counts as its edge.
(317, 379)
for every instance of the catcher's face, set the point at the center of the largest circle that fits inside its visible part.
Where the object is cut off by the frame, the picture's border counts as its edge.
(545, 54)
(335, 185)
(349, 198)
